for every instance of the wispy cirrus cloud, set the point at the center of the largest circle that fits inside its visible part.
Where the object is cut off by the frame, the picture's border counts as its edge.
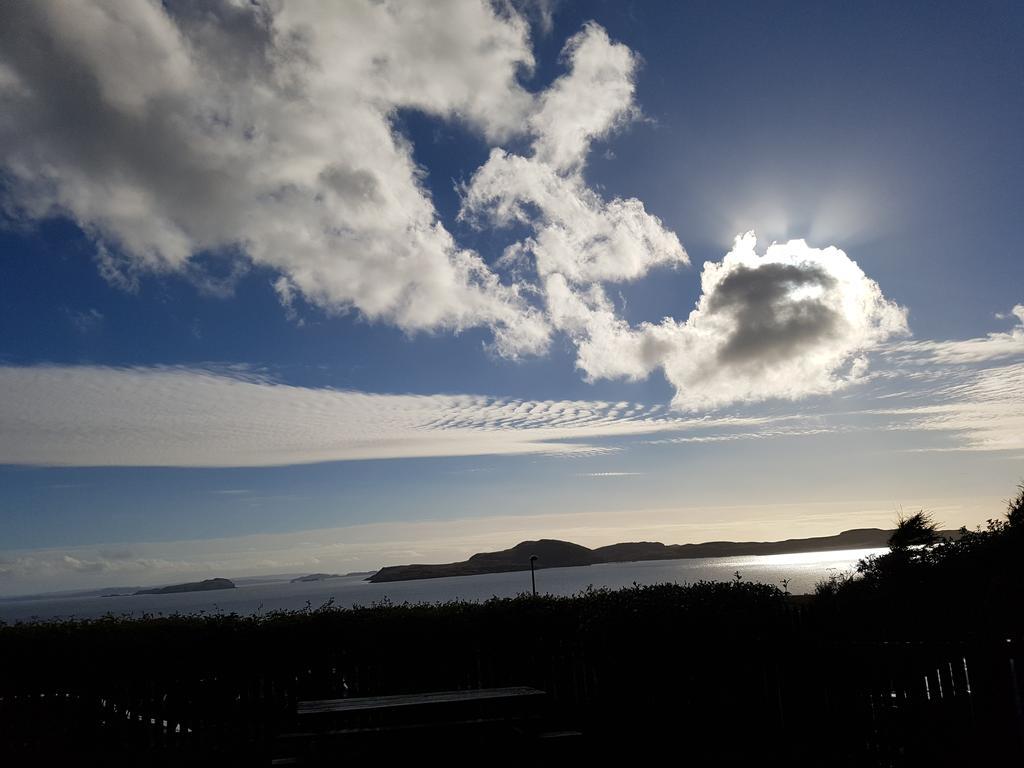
(970, 389)
(999, 345)
(94, 416)
(231, 417)
(981, 410)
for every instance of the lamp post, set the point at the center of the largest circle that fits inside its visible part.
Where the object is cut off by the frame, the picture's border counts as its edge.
(533, 578)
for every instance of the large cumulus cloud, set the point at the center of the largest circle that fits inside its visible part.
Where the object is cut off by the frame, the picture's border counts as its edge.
(789, 323)
(265, 129)
(792, 322)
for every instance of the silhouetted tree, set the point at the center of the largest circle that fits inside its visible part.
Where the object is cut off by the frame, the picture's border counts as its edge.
(917, 530)
(970, 583)
(1015, 509)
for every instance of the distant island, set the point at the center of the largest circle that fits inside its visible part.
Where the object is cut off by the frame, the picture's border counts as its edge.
(326, 576)
(193, 586)
(316, 577)
(552, 553)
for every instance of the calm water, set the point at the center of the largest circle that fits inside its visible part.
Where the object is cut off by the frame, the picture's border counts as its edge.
(803, 571)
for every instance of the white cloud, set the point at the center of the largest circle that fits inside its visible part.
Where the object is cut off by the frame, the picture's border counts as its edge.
(589, 102)
(994, 346)
(577, 234)
(793, 322)
(168, 131)
(971, 389)
(93, 416)
(579, 241)
(180, 130)
(982, 409)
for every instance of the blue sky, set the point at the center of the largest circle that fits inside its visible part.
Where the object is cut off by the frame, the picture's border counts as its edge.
(332, 287)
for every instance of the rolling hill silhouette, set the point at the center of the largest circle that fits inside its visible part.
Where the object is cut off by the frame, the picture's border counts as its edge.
(552, 553)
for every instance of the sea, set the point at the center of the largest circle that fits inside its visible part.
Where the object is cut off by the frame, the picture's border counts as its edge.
(800, 572)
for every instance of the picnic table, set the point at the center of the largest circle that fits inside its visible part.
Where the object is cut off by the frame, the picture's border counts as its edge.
(451, 723)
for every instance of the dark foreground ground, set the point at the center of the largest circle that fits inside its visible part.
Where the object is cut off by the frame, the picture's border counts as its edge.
(916, 662)
(723, 674)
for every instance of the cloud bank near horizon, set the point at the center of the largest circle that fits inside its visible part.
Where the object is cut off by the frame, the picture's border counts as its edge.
(174, 133)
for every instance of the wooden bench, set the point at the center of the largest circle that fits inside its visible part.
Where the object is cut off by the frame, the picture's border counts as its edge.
(413, 723)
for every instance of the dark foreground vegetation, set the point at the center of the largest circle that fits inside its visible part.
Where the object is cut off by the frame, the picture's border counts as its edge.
(916, 661)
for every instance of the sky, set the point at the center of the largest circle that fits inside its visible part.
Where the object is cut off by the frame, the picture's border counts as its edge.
(296, 287)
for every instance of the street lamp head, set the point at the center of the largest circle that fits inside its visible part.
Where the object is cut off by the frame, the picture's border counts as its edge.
(532, 558)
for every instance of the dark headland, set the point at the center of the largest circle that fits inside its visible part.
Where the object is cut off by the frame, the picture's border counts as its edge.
(192, 586)
(552, 553)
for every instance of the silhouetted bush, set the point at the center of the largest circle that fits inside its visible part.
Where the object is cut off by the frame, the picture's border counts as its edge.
(968, 585)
